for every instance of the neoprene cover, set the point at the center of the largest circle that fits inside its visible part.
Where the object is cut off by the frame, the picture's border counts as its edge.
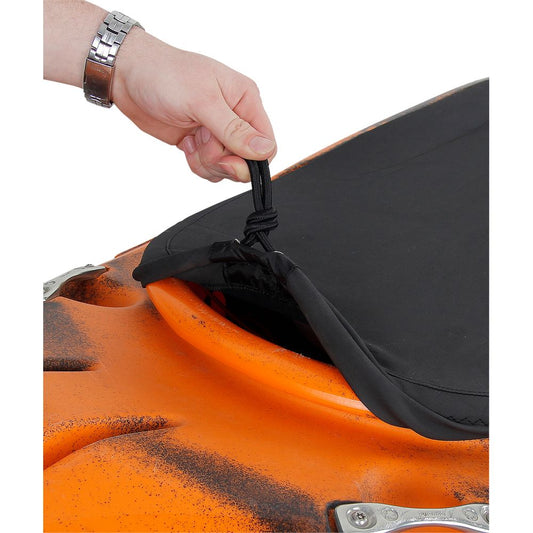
(387, 235)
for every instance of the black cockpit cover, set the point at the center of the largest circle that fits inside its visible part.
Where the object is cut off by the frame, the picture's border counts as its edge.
(387, 235)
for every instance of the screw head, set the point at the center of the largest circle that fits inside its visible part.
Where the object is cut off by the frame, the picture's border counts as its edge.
(361, 518)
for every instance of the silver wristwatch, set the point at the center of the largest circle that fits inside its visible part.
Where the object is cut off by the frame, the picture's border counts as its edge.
(100, 63)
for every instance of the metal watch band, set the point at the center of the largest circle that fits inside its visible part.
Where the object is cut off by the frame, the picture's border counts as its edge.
(100, 63)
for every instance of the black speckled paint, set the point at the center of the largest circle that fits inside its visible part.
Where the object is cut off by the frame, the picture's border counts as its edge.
(66, 347)
(279, 506)
(471, 492)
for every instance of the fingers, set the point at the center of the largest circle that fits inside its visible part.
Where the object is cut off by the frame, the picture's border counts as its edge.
(208, 158)
(251, 109)
(235, 166)
(229, 134)
(190, 147)
(235, 132)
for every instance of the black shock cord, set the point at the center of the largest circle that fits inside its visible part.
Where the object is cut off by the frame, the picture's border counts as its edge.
(265, 218)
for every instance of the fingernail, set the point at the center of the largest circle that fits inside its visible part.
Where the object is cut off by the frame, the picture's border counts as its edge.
(189, 145)
(205, 134)
(261, 145)
(227, 169)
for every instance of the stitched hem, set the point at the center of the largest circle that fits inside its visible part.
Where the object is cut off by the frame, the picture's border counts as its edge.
(438, 387)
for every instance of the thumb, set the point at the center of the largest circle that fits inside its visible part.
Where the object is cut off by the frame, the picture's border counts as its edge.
(235, 133)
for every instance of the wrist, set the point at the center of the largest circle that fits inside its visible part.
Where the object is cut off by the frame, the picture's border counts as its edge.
(131, 54)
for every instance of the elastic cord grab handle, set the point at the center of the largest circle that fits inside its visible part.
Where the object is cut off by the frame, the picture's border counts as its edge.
(265, 218)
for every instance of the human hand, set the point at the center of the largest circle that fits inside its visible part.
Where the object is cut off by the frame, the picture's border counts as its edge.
(211, 112)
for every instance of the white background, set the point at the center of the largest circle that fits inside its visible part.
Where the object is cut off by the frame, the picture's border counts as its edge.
(81, 184)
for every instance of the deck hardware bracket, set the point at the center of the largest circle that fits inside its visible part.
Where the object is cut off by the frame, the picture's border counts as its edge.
(52, 288)
(383, 518)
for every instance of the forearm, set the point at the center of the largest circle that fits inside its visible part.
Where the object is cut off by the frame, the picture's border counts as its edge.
(69, 28)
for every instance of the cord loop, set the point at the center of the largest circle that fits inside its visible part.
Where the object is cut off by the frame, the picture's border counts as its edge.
(265, 218)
